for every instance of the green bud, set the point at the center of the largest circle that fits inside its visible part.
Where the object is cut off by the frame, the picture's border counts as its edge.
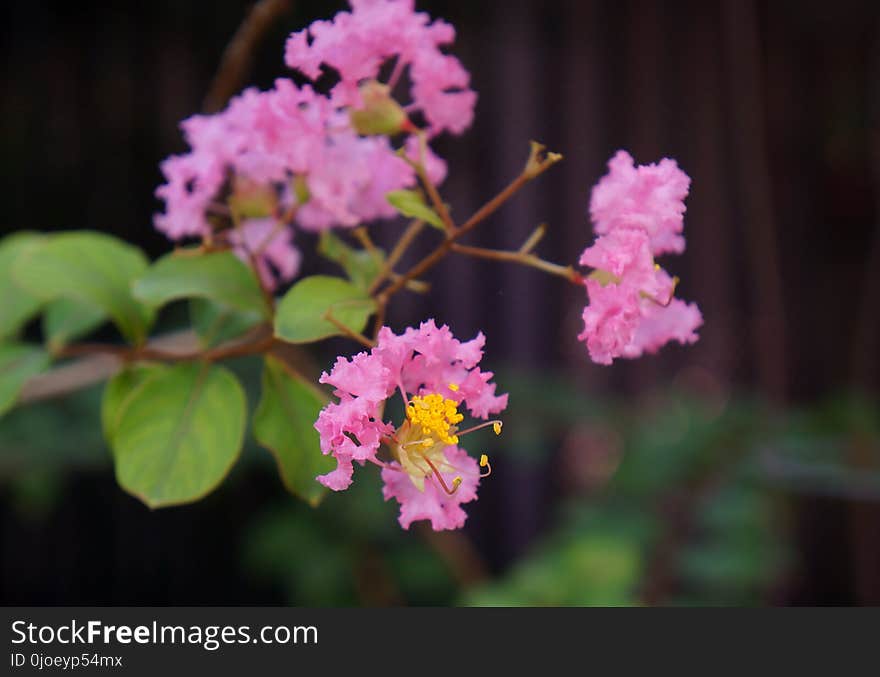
(603, 277)
(381, 114)
(251, 200)
(301, 189)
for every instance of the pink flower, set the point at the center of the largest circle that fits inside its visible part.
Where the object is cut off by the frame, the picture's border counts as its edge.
(637, 213)
(275, 138)
(356, 44)
(625, 253)
(305, 146)
(270, 243)
(435, 374)
(650, 197)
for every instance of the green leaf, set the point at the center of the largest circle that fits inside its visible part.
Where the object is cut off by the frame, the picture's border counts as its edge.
(219, 276)
(118, 393)
(411, 203)
(65, 320)
(16, 305)
(18, 363)
(284, 424)
(216, 323)
(91, 268)
(361, 266)
(301, 312)
(179, 434)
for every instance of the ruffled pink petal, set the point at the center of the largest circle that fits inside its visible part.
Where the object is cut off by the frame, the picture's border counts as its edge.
(676, 322)
(339, 479)
(444, 511)
(362, 376)
(610, 321)
(649, 197)
(351, 427)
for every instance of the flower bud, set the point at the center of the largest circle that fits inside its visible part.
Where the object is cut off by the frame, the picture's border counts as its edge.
(380, 114)
(251, 200)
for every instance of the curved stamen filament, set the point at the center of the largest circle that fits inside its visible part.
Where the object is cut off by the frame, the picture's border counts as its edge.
(455, 483)
(496, 426)
(395, 74)
(484, 463)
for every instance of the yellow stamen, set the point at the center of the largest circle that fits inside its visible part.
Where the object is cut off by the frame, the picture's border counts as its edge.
(436, 416)
(431, 425)
(484, 463)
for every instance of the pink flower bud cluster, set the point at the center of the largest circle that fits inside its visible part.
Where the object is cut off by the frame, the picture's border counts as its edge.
(357, 44)
(301, 147)
(638, 213)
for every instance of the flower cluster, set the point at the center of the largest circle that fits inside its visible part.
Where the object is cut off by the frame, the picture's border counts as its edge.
(638, 213)
(434, 374)
(291, 155)
(357, 44)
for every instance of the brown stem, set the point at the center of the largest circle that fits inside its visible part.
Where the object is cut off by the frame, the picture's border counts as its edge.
(536, 165)
(239, 349)
(433, 193)
(69, 378)
(416, 286)
(533, 239)
(409, 235)
(363, 236)
(493, 205)
(521, 258)
(268, 296)
(348, 331)
(380, 319)
(238, 55)
(417, 270)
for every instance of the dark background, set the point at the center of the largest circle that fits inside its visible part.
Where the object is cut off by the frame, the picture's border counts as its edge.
(771, 108)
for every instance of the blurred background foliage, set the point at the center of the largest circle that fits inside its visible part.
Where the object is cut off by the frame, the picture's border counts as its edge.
(678, 498)
(742, 470)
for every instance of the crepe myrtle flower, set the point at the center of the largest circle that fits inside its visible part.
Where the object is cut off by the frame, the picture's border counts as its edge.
(357, 44)
(650, 197)
(437, 378)
(637, 214)
(294, 148)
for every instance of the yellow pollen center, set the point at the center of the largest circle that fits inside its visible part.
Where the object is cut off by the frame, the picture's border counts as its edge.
(437, 417)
